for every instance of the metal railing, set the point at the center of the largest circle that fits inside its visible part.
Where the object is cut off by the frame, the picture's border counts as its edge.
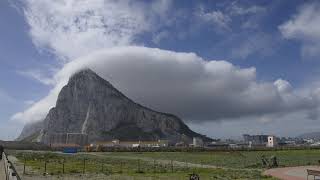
(10, 171)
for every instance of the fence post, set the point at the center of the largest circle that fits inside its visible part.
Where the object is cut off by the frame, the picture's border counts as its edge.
(45, 166)
(120, 167)
(63, 166)
(171, 166)
(24, 165)
(102, 166)
(84, 165)
(139, 166)
(154, 166)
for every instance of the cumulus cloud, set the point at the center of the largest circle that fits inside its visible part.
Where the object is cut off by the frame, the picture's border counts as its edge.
(184, 84)
(73, 28)
(180, 83)
(305, 27)
(283, 86)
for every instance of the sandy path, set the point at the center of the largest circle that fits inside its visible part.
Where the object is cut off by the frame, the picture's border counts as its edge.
(2, 171)
(291, 173)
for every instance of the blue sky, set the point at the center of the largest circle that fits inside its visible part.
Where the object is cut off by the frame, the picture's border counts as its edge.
(279, 39)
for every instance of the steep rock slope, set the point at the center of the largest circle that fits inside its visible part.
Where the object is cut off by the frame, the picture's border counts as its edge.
(91, 105)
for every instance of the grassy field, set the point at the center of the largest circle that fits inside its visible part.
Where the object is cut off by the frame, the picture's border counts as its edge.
(164, 165)
(232, 159)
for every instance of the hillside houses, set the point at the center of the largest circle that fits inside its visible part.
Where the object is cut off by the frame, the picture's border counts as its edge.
(132, 144)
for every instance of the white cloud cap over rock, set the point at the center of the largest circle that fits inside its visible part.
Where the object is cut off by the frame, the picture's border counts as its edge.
(179, 83)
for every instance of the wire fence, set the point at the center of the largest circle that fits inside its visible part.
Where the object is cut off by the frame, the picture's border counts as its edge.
(10, 170)
(87, 165)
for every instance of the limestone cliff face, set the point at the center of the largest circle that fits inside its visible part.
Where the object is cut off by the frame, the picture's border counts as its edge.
(91, 105)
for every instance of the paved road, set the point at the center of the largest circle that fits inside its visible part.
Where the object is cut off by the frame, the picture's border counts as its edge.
(2, 172)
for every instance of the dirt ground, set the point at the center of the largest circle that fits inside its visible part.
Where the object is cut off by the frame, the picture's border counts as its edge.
(292, 173)
(2, 170)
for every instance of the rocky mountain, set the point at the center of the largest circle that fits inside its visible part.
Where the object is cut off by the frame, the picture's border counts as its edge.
(90, 105)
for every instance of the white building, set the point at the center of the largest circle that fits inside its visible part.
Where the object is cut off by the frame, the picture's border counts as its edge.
(197, 142)
(272, 141)
(133, 144)
(315, 144)
(310, 141)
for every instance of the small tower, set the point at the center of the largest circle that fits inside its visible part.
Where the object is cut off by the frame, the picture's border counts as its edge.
(272, 141)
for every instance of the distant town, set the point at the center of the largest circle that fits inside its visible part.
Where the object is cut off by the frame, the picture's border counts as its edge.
(73, 142)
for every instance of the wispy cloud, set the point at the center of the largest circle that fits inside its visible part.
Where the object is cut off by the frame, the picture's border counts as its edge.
(5, 98)
(158, 37)
(239, 25)
(72, 28)
(216, 18)
(235, 9)
(38, 75)
(256, 44)
(304, 26)
(222, 19)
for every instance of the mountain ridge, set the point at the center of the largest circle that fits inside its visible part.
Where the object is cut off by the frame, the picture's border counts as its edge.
(91, 105)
